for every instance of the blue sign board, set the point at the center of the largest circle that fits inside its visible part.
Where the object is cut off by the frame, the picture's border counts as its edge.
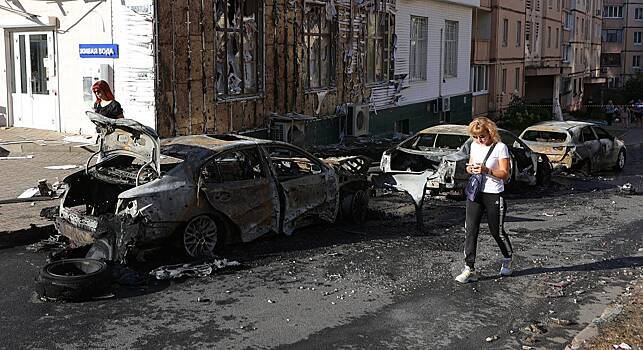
(98, 50)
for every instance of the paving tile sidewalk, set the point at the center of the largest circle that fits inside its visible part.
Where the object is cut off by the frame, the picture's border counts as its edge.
(17, 175)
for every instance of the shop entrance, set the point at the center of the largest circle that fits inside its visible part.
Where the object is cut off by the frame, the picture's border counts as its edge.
(34, 101)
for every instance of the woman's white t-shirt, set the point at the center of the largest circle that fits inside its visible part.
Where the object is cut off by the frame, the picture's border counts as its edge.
(478, 152)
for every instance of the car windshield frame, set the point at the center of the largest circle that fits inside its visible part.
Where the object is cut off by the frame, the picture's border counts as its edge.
(546, 136)
(437, 138)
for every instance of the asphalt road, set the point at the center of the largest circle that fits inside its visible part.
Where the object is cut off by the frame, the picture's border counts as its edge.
(382, 285)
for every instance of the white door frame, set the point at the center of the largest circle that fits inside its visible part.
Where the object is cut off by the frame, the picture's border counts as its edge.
(38, 110)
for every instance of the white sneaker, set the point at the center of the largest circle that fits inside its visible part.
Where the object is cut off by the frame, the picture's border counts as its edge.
(467, 275)
(505, 270)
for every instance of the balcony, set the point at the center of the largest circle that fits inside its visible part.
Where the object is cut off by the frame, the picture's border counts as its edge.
(480, 50)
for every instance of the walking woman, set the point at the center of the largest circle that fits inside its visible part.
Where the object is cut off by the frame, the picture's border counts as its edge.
(105, 104)
(486, 145)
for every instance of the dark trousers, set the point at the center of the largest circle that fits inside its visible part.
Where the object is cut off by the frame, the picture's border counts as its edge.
(495, 206)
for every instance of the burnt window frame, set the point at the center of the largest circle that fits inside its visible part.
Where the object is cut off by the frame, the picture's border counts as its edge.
(379, 35)
(216, 175)
(332, 27)
(259, 58)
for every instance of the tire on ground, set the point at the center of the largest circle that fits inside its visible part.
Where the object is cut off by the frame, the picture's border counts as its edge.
(73, 279)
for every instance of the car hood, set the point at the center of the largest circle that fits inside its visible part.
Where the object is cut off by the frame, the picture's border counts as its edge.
(127, 137)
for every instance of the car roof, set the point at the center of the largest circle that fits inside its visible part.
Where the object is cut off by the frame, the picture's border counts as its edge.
(455, 129)
(213, 142)
(555, 125)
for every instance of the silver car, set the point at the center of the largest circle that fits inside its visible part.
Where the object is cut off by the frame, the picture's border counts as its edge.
(575, 145)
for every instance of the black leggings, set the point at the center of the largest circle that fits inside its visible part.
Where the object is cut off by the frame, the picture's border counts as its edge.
(495, 206)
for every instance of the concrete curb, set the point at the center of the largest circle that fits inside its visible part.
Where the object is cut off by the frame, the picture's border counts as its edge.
(30, 147)
(592, 330)
(22, 237)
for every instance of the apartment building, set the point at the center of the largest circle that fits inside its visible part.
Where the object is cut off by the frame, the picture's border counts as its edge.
(543, 53)
(498, 55)
(580, 51)
(622, 42)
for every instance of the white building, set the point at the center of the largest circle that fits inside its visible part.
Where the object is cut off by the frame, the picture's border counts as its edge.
(433, 61)
(44, 81)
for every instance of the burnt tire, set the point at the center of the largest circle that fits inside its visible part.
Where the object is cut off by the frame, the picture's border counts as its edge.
(355, 206)
(620, 161)
(73, 279)
(202, 236)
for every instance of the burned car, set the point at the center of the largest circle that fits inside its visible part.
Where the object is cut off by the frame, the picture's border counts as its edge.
(201, 191)
(575, 145)
(434, 160)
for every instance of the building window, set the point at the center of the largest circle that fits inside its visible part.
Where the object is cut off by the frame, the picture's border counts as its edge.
(636, 61)
(611, 59)
(479, 79)
(637, 38)
(612, 11)
(505, 32)
(518, 33)
(319, 47)
(418, 47)
(638, 13)
(377, 55)
(239, 39)
(517, 80)
(451, 49)
(569, 21)
(504, 80)
(566, 53)
(557, 37)
(614, 82)
(548, 37)
(612, 35)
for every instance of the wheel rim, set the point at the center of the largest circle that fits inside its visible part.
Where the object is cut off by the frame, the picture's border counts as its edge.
(200, 236)
(621, 160)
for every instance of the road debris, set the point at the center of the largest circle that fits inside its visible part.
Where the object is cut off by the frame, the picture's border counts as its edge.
(627, 188)
(623, 346)
(51, 243)
(203, 300)
(30, 156)
(561, 321)
(62, 167)
(535, 328)
(492, 338)
(191, 270)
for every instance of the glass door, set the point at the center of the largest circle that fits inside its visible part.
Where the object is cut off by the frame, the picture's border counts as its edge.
(34, 102)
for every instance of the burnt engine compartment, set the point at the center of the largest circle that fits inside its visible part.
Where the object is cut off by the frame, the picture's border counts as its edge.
(403, 161)
(98, 196)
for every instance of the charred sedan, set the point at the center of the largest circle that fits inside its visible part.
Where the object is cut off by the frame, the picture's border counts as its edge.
(201, 191)
(573, 145)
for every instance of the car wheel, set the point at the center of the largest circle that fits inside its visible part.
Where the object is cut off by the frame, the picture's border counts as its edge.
(620, 161)
(73, 279)
(355, 206)
(202, 236)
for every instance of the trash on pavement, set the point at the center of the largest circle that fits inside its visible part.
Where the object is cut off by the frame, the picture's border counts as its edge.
(624, 346)
(30, 156)
(627, 188)
(191, 270)
(490, 339)
(561, 321)
(62, 167)
(29, 193)
(51, 243)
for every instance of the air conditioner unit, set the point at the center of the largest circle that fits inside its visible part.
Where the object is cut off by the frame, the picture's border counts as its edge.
(291, 131)
(446, 104)
(357, 121)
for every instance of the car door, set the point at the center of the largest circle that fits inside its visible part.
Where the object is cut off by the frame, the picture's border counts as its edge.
(607, 149)
(237, 183)
(591, 147)
(309, 189)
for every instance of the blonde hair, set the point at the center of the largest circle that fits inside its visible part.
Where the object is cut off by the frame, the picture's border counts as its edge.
(483, 125)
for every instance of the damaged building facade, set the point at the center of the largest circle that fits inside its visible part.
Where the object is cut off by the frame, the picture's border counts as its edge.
(51, 52)
(310, 72)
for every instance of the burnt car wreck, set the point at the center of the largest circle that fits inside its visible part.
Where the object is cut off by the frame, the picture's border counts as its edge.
(434, 161)
(201, 191)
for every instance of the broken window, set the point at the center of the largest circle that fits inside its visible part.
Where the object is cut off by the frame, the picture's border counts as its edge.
(378, 46)
(239, 39)
(289, 163)
(418, 47)
(236, 165)
(319, 47)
